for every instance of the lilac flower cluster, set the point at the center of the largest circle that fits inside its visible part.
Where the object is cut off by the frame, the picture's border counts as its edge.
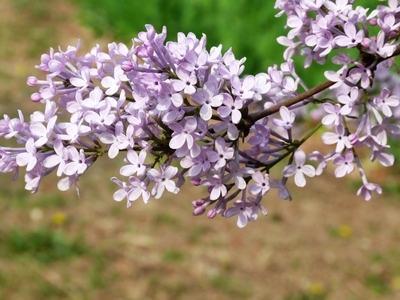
(177, 112)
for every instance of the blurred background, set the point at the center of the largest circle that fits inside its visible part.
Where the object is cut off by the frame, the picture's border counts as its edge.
(325, 244)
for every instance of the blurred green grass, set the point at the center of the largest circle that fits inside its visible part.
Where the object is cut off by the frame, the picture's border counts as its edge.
(249, 27)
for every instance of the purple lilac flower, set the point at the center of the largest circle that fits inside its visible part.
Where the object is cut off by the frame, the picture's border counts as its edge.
(137, 188)
(208, 97)
(316, 156)
(351, 38)
(366, 190)
(168, 97)
(183, 134)
(384, 102)
(59, 158)
(349, 101)
(216, 185)
(118, 140)
(77, 165)
(41, 132)
(339, 77)
(186, 81)
(242, 210)
(243, 89)
(238, 174)
(231, 108)
(345, 164)
(262, 184)
(339, 138)
(222, 153)
(163, 180)
(299, 169)
(122, 193)
(82, 81)
(100, 120)
(256, 208)
(136, 163)
(73, 132)
(197, 165)
(113, 83)
(261, 135)
(386, 127)
(262, 85)
(333, 116)
(384, 157)
(28, 158)
(227, 125)
(287, 120)
(361, 74)
(381, 47)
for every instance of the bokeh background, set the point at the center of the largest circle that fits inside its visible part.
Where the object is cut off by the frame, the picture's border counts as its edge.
(325, 244)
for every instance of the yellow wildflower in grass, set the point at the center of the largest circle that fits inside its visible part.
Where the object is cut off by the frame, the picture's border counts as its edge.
(58, 218)
(344, 231)
(395, 283)
(316, 289)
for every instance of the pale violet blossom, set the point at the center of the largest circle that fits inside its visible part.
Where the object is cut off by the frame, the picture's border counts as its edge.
(345, 164)
(299, 169)
(339, 138)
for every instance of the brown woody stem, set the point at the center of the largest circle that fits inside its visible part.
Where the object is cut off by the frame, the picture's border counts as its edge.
(307, 94)
(254, 117)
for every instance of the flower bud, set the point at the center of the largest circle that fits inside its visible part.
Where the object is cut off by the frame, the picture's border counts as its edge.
(198, 202)
(126, 66)
(365, 42)
(35, 97)
(199, 210)
(32, 81)
(195, 181)
(353, 139)
(211, 213)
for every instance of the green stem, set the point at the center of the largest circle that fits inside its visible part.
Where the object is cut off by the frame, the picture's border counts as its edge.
(294, 146)
(314, 130)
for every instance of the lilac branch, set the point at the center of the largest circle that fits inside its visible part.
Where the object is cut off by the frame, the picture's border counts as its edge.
(175, 111)
(254, 117)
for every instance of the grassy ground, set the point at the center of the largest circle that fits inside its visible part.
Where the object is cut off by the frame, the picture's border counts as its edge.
(326, 244)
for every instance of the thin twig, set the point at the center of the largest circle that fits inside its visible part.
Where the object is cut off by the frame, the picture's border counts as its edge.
(254, 117)
(307, 94)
